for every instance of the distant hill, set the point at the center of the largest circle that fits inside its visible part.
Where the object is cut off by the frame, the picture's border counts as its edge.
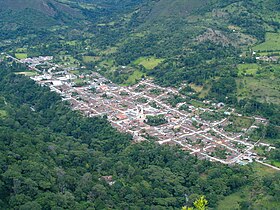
(23, 17)
(181, 24)
(47, 7)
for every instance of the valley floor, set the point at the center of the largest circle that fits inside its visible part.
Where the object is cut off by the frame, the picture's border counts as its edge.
(144, 111)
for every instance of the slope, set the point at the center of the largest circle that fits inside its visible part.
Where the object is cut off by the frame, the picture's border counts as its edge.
(178, 8)
(47, 7)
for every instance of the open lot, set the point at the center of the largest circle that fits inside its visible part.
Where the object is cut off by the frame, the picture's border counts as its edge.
(237, 124)
(21, 55)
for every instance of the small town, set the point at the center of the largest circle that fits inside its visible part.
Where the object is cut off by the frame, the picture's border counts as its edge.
(144, 111)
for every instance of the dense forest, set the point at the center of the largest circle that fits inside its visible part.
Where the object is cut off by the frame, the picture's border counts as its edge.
(52, 157)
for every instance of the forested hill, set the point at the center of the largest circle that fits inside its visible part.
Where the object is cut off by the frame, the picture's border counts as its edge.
(168, 28)
(52, 157)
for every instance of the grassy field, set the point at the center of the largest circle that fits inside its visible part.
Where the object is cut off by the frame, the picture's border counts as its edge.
(148, 62)
(79, 82)
(107, 63)
(201, 90)
(197, 104)
(272, 43)
(108, 51)
(88, 59)
(238, 123)
(132, 79)
(76, 72)
(275, 163)
(20, 55)
(195, 87)
(241, 122)
(68, 60)
(230, 202)
(262, 170)
(263, 89)
(204, 92)
(260, 81)
(268, 53)
(250, 68)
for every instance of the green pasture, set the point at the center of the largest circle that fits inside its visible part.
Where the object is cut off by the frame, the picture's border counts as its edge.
(245, 69)
(272, 43)
(133, 78)
(20, 55)
(88, 59)
(263, 89)
(148, 62)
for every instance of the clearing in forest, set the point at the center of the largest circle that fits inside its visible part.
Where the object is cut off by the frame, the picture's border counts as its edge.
(148, 62)
(3, 113)
(247, 69)
(88, 59)
(272, 43)
(132, 79)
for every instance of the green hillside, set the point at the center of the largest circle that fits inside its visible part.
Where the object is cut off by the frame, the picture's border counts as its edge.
(176, 8)
(271, 44)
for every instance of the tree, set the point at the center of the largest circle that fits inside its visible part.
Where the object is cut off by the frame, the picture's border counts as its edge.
(200, 204)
